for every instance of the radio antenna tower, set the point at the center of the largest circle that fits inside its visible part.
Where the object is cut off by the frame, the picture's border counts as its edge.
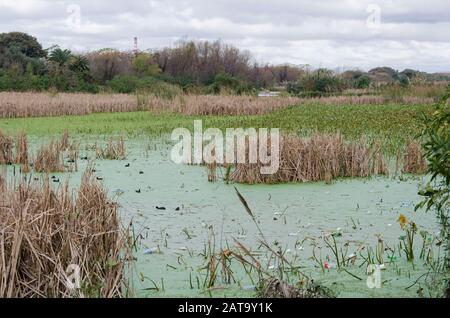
(136, 50)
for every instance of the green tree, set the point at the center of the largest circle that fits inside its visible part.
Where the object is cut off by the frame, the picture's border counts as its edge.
(79, 64)
(60, 56)
(25, 43)
(363, 82)
(144, 65)
(436, 135)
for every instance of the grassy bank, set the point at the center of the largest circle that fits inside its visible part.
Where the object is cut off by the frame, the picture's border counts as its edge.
(392, 124)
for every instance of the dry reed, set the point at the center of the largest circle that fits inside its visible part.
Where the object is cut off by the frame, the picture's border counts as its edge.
(6, 149)
(221, 105)
(49, 159)
(21, 149)
(43, 104)
(319, 158)
(45, 231)
(413, 159)
(64, 142)
(115, 150)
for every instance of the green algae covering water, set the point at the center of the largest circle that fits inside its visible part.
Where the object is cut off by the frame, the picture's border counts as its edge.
(179, 218)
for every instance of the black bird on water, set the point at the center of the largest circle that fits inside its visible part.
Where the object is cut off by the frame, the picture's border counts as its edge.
(160, 208)
(138, 191)
(127, 165)
(99, 178)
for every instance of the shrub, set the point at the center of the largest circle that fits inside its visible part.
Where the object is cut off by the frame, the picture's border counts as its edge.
(317, 83)
(225, 82)
(436, 146)
(124, 84)
(362, 82)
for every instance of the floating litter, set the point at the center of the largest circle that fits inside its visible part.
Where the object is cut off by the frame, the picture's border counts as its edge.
(150, 251)
(327, 265)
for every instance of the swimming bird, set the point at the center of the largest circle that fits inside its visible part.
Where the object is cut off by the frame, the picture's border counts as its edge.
(160, 208)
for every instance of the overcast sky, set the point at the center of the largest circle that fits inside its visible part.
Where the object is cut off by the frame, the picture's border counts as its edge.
(327, 33)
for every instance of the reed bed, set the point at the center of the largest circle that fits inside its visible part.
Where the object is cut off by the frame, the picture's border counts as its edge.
(46, 233)
(413, 159)
(6, 149)
(318, 158)
(49, 159)
(114, 150)
(21, 148)
(14, 105)
(221, 105)
(64, 142)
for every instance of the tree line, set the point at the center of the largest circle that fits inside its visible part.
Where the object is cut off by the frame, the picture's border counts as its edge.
(195, 67)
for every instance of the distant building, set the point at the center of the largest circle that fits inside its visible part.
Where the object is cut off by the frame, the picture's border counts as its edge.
(268, 94)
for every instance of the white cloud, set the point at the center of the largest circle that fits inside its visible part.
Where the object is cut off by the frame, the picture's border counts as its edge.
(330, 33)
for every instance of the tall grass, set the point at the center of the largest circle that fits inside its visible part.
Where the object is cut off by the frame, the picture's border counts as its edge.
(318, 158)
(413, 159)
(15, 105)
(114, 150)
(44, 231)
(6, 149)
(49, 159)
(220, 105)
(21, 148)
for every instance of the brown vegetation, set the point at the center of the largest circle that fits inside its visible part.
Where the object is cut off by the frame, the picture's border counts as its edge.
(319, 158)
(49, 159)
(6, 149)
(43, 104)
(44, 231)
(114, 150)
(21, 149)
(413, 159)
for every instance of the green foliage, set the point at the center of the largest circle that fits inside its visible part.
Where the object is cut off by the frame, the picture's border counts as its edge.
(403, 81)
(127, 84)
(144, 65)
(60, 56)
(317, 83)
(362, 82)
(22, 42)
(124, 84)
(391, 124)
(436, 135)
(11, 82)
(78, 64)
(227, 83)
